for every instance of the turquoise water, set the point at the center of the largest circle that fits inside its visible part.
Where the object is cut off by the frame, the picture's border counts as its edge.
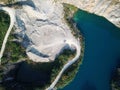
(102, 52)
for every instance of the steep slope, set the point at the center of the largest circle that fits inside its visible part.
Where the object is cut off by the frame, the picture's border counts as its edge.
(43, 29)
(110, 9)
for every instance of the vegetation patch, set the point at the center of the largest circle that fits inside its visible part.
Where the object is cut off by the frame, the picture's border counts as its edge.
(53, 68)
(115, 82)
(4, 25)
(49, 70)
(70, 73)
(7, 1)
(69, 11)
(14, 52)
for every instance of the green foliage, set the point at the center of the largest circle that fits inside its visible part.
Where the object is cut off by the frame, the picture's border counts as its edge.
(13, 51)
(53, 68)
(60, 62)
(70, 73)
(4, 24)
(7, 1)
(69, 11)
(115, 80)
(1, 88)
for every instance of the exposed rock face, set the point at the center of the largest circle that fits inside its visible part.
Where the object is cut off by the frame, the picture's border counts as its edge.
(110, 9)
(43, 29)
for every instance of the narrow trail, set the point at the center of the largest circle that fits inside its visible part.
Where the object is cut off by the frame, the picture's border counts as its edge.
(11, 13)
(76, 44)
(70, 62)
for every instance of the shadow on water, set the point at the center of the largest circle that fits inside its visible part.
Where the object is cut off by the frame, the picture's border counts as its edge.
(29, 75)
(23, 76)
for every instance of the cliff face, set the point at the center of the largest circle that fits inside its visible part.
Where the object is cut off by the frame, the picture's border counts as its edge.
(41, 25)
(110, 9)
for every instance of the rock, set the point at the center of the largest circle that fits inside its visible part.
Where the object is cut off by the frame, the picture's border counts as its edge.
(109, 9)
(43, 30)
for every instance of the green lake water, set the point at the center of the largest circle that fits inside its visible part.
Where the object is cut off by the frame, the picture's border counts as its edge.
(102, 52)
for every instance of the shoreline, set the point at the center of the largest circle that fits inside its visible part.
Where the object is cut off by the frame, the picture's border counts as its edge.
(71, 12)
(69, 42)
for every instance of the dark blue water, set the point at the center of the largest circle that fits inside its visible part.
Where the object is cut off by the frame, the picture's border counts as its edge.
(102, 52)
